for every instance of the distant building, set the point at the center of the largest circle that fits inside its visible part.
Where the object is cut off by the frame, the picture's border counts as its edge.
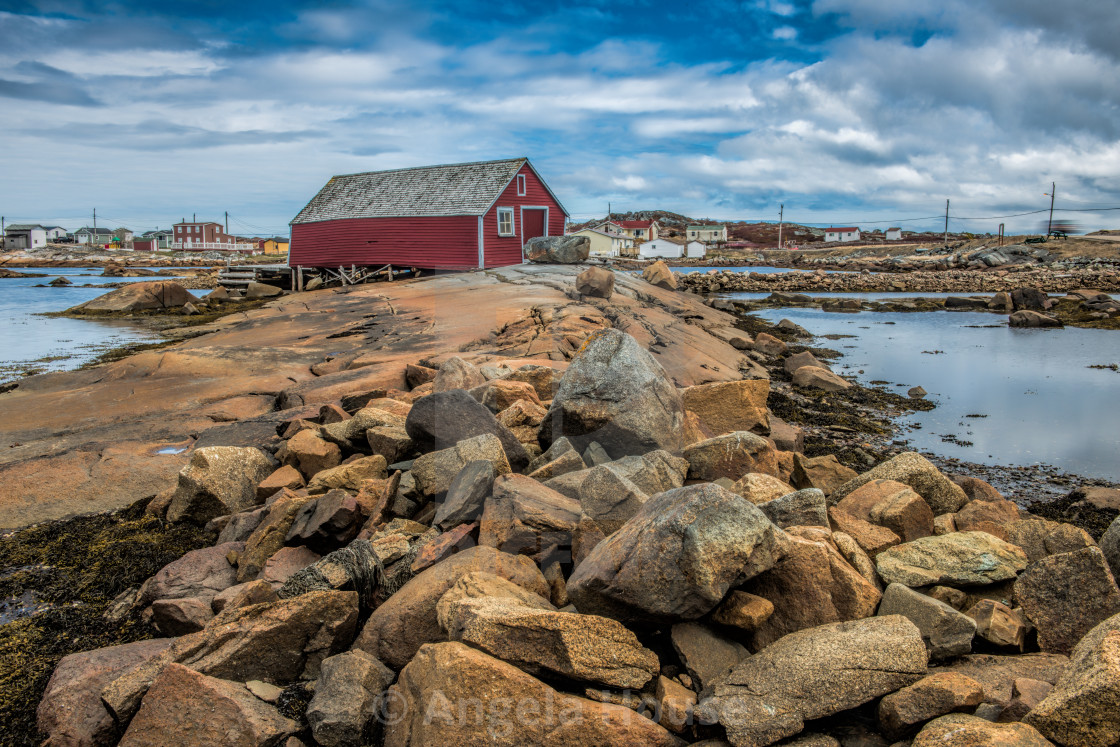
(608, 243)
(662, 248)
(86, 235)
(695, 249)
(162, 237)
(894, 234)
(201, 236)
(845, 233)
(25, 236)
(275, 245)
(124, 235)
(639, 230)
(706, 234)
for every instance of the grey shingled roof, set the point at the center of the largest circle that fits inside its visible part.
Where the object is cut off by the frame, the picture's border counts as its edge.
(451, 189)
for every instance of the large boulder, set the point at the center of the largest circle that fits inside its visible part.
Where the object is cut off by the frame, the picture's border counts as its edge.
(154, 296)
(732, 456)
(443, 419)
(582, 647)
(812, 585)
(955, 559)
(407, 620)
(1110, 546)
(596, 282)
(727, 406)
(705, 653)
(820, 378)
(1084, 706)
(524, 516)
(942, 494)
(653, 472)
(1066, 595)
(930, 697)
(823, 472)
(452, 694)
(962, 730)
(946, 632)
(466, 495)
(186, 707)
(660, 275)
(277, 643)
(815, 673)
(1033, 319)
(677, 557)
(558, 250)
(200, 573)
(218, 480)
(615, 393)
(70, 711)
(435, 471)
(348, 695)
(456, 373)
(270, 534)
(892, 505)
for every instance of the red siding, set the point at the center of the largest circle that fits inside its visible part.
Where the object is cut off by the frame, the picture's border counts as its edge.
(428, 243)
(506, 250)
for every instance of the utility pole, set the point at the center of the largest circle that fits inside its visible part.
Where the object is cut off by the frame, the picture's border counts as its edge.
(227, 222)
(1050, 223)
(781, 215)
(94, 237)
(946, 223)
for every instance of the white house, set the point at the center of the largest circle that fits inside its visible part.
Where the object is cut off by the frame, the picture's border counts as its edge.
(894, 234)
(694, 249)
(25, 236)
(845, 233)
(707, 234)
(661, 248)
(607, 244)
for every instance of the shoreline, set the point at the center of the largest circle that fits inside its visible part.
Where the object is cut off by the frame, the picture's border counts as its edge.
(357, 344)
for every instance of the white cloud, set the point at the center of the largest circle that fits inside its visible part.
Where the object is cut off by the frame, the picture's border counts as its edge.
(785, 33)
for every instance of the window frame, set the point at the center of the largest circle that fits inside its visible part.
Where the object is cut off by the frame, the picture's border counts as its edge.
(512, 227)
(522, 186)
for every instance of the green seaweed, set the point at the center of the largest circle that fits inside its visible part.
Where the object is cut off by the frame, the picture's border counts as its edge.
(75, 567)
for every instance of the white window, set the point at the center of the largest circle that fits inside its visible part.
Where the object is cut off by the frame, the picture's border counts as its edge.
(521, 185)
(505, 222)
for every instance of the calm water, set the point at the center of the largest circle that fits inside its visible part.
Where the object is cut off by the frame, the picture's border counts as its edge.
(1042, 402)
(32, 342)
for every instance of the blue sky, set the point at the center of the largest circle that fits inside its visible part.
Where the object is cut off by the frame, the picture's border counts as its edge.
(846, 111)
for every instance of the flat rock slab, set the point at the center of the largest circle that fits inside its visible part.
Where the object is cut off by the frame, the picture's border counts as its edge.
(87, 440)
(815, 673)
(954, 559)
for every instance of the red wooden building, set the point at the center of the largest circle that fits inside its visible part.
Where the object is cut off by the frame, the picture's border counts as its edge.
(457, 216)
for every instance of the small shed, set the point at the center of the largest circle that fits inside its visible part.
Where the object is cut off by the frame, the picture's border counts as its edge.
(664, 248)
(695, 249)
(455, 216)
(894, 234)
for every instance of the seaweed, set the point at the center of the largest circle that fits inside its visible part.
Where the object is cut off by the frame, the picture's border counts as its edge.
(74, 568)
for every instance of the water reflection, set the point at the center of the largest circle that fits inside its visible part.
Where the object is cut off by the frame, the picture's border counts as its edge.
(1042, 402)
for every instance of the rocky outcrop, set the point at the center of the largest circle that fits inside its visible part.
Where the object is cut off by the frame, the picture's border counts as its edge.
(155, 296)
(219, 480)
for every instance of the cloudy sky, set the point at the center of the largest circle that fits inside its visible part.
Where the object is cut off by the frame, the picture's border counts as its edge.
(846, 111)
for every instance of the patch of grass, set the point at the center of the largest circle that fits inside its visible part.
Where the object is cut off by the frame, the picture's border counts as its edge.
(77, 567)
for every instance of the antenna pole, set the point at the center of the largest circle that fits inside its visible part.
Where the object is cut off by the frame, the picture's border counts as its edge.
(946, 223)
(781, 215)
(1050, 223)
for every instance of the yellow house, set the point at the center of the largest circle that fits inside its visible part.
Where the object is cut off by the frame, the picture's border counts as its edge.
(274, 246)
(605, 244)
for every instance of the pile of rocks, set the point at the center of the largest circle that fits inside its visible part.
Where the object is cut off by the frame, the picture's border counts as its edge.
(922, 280)
(523, 555)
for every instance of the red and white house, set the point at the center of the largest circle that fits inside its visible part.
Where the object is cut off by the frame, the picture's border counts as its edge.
(456, 216)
